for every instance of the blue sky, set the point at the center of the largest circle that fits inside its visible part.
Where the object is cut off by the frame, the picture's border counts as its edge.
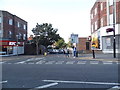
(68, 16)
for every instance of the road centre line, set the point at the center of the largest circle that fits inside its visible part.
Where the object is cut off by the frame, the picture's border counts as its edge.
(81, 82)
(3, 82)
(44, 86)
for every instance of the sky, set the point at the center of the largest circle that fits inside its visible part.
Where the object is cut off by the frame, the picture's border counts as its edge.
(68, 16)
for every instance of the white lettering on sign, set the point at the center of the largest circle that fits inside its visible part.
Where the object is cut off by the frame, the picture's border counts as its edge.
(12, 43)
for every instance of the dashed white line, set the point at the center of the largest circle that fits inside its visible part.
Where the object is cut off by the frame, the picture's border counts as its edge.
(40, 62)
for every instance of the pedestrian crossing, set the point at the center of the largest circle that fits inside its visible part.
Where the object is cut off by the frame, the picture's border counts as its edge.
(39, 61)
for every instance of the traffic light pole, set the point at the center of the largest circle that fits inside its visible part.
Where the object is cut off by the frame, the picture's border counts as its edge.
(114, 43)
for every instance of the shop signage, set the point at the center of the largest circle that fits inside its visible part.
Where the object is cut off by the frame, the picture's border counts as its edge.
(12, 43)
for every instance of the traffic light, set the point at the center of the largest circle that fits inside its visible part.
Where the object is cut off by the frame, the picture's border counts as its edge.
(109, 30)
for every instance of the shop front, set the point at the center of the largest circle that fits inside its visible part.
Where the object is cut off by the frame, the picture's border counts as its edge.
(11, 47)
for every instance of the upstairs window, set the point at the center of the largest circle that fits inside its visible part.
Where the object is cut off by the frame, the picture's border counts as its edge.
(110, 2)
(10, 22)
(101, 6)
(111, 19)
(96, 25)
(10, 34)
(0, 19)
(18, 24)
(24, 27)
(95, 11)
(101, 22)
(24, 36)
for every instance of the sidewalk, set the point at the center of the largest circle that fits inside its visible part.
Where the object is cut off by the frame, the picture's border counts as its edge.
(99, 56)
(15, 57)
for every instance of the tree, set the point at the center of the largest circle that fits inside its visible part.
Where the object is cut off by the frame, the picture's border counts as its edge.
(45, 35)
(60, 43)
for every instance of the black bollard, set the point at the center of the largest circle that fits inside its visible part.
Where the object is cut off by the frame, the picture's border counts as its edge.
(93, 53)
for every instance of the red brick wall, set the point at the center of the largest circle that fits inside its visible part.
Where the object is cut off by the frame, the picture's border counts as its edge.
(82, 44)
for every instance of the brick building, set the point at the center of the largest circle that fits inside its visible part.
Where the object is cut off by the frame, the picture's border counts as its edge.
(101, 19)
(13, 33)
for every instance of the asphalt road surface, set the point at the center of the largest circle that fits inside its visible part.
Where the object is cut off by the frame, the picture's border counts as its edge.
(58, 71)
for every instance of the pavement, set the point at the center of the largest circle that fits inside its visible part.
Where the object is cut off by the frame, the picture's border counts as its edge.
(98, 57)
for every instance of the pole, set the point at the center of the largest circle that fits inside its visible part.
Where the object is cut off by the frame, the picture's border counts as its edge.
(114, 43)
(36, 45)
(93, 53)
(17, 45)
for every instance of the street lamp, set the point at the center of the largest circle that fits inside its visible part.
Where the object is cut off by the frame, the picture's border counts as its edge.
(17, 44)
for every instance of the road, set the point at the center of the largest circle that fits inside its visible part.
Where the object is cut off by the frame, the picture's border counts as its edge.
(58, 71)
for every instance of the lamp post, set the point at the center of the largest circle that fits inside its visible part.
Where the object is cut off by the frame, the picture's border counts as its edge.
(17, 44)
(114, 43)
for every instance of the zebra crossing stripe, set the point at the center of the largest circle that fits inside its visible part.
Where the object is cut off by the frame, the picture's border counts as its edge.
(40, 62)
(50, 62)
(70, 62)
(59, 62)
(81, 62)
(107, 62)
(94, 62)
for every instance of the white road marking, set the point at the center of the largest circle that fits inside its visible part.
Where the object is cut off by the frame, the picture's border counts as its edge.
(81, 62)
(50, 62)
(59, 62)
(94, 62)
(116, 87)
(44, 86)
(70, 62)
(3, 82)
(40, 62)
(81, 82)
(2, 62)
(107, 62)
(117, 62)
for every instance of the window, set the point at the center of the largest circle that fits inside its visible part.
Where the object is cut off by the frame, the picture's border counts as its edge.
(24, 36)
(24, 27)
(110, 2)
(10, 34)
(96, 25)
(101, 22)
(0, 19)
(111, 19)
(19, 36)
(10, 22)
(95, 11)
(18, 24)
(0, 33)
(101, 6)
(92, 28)
(91, 16)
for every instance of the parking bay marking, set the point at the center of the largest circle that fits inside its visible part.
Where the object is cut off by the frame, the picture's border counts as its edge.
(44, 86)
(81, 82)
(3, 82)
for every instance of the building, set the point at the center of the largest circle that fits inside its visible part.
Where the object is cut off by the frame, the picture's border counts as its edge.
(13, 33)
(83, 44)
(101, 15)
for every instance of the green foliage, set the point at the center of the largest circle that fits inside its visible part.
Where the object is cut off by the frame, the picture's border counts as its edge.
(45, 34)
(60, 43)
